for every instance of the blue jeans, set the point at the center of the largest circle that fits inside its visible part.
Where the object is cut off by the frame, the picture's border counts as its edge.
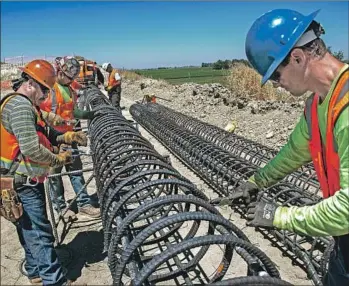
(35, 235)
(57, 189)
(337, 274)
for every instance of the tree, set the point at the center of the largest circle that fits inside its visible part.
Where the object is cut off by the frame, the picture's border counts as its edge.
(218, 65)
(206, 65)
(227, 64)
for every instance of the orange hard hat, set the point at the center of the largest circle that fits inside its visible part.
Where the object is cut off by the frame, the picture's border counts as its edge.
(42, 71)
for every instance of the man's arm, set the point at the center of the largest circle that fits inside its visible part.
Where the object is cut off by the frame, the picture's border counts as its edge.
(22, 124)
(330, 216)
(118, 78)
(291, 157)
(327, 218)
(82, 114)
(55, 136)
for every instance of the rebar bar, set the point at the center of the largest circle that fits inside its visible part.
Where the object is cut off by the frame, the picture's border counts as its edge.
(249, 150)
(154, 218)
(224, 171)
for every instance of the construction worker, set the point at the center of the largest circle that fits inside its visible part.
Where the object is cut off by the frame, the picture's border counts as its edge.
(27, 153)
(114, 84)
(62, 101)
(285, 47)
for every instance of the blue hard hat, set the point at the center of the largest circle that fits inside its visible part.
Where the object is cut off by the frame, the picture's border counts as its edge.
(272, 36)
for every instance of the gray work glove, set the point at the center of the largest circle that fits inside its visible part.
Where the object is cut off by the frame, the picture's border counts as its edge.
(242, 195)
(261, 214)
(246, 192)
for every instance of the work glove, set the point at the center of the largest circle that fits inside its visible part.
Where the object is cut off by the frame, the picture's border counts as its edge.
(63, 158)
(55, 149)
(242, 195)
(261, 214)
(246, 192)
(78, 137)
(52, 118)
(57, 121)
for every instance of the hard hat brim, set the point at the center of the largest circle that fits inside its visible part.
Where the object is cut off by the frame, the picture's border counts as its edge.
(301, 28)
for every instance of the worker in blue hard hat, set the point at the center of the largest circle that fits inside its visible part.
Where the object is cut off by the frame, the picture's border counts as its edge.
(286, 48)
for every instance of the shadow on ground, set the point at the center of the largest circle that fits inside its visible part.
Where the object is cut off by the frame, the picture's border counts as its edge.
(87, 247)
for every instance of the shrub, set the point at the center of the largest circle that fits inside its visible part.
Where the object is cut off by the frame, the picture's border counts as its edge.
(244, 81)
(130, 75)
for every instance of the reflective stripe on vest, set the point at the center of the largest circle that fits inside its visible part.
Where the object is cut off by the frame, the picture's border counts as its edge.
(111, 80)
(325, 158)
(62, 108)
(10, 148)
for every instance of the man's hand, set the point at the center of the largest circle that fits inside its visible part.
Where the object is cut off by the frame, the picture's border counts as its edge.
(55, 149)
(242, 195)
(63, 159)
(261, 214)
(57, 120)
(247, 191)
(52, 118)
(78, 137)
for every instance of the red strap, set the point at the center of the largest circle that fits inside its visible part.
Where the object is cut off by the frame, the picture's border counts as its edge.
(338, 102)
(316, 148)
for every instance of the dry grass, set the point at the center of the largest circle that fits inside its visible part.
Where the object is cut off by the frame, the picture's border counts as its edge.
(130, 75)
(244, 81)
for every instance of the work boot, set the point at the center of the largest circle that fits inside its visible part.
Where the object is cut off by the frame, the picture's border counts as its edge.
(90, 211)
(69, 215)
(36, 281)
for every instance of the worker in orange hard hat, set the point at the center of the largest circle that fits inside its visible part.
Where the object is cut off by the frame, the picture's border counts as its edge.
(29, 148)
(62, 101)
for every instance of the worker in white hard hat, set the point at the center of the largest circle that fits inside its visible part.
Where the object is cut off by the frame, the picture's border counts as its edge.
(114, 84)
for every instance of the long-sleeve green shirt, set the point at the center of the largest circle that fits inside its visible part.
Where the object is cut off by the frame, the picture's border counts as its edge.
(331, 215)
(78, 113)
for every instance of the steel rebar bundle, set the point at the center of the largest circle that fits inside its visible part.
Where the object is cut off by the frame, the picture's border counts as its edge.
(157, 225)
(224, 171)
(254, 152)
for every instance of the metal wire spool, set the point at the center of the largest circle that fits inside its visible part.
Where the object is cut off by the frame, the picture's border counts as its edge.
(224, 171)
(158, 227)
(249, 150)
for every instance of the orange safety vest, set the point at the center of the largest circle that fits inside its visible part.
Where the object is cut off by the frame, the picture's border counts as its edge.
(55, 103)
(325, 158)
(111, 80)
(10, 147)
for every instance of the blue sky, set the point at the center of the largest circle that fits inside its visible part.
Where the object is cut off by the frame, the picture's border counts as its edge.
(149, 34)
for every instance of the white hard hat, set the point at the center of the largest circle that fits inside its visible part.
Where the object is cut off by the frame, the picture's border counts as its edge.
(105, 66)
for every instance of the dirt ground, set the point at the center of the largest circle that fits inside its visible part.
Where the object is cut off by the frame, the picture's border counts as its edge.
(85, 238)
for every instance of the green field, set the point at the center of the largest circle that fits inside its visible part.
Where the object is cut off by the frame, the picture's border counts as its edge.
(182, 75)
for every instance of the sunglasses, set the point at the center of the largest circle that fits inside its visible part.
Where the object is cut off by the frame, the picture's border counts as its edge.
(44, 89)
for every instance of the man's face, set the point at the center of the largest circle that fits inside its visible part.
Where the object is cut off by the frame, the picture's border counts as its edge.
(37, 92)
(292, 77)
(63, 79)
